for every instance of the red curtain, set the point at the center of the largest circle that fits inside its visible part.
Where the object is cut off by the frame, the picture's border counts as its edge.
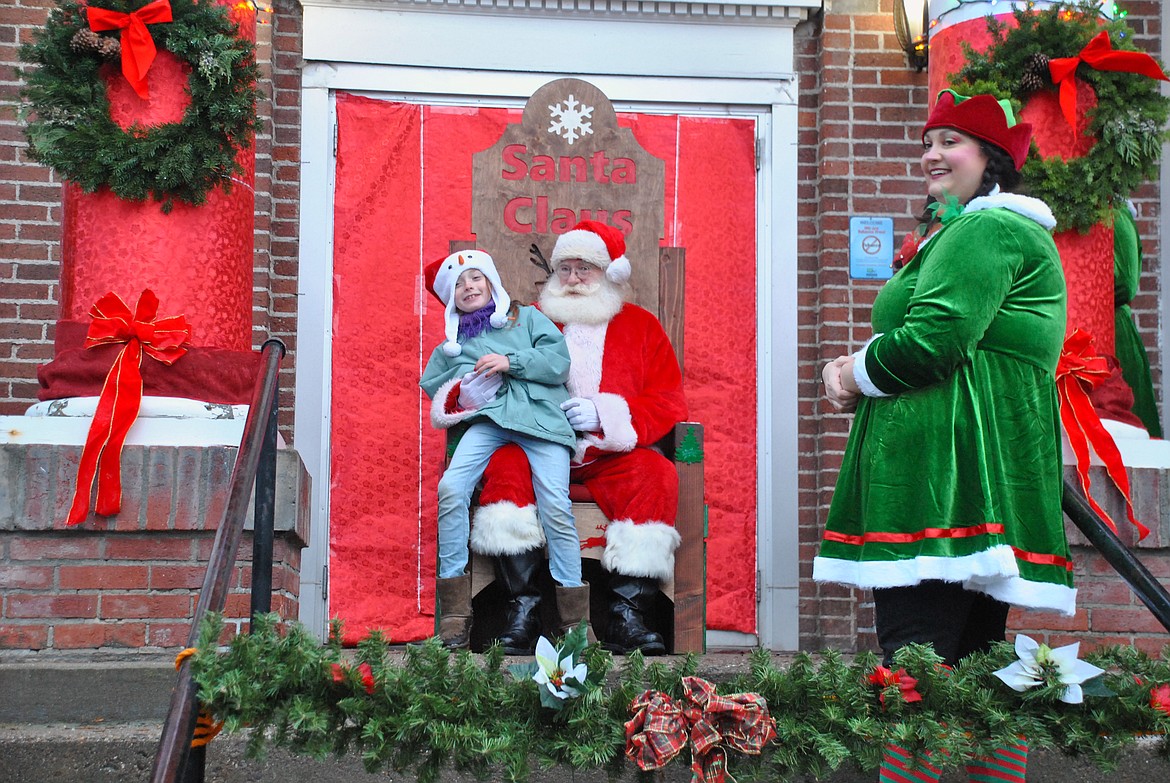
(403, 191)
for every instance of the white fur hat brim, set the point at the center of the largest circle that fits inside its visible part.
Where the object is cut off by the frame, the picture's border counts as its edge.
(584, 245)
(447, 276)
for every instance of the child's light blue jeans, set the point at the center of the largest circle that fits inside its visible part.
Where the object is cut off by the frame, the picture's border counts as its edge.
(550, 482)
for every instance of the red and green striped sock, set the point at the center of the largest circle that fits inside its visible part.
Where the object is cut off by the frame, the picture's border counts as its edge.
(898, 766)
(1008, 764)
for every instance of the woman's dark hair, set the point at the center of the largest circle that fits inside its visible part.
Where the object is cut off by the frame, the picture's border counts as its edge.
(1000, 170)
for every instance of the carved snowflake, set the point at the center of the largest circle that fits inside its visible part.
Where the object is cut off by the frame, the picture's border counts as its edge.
(571, 121)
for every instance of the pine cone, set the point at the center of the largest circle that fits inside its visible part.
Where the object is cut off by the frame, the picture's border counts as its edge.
(111, 48)
(85, 40)
(1036, 75)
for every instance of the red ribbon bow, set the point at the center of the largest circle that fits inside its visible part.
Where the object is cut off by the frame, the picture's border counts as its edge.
(121, 394)
(1078, 372)
(138, 50)
(662, 727)
(1099, 54)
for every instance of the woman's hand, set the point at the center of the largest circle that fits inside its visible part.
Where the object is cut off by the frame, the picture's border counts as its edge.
(840, 387)
(491, 363)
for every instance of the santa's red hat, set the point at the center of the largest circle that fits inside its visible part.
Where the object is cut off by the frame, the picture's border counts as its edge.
(598, 244)
(441, 276)
(983, 117)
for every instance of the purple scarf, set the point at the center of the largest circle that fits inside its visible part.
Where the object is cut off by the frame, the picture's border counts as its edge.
(475, 324)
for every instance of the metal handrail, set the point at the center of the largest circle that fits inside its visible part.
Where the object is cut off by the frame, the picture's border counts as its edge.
(1117, 554)
(257, 446)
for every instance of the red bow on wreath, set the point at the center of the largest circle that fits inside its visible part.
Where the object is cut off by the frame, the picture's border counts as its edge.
(1078, 372)
(1099, 54)
(121, 395)
(662, 727)
(138, 50)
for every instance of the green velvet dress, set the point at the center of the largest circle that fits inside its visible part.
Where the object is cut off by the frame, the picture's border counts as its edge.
(1127, 343)
(953, 466)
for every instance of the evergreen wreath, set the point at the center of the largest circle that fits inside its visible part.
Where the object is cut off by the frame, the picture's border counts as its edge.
(426, 709)
(67, 112)
(1129, 121)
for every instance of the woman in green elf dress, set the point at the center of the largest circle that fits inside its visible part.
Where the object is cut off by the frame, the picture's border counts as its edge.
(948, 500)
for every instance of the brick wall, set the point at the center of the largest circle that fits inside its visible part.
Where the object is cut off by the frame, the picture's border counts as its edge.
(30, 210)
(861, 111)
(131, 581)
(30, 228)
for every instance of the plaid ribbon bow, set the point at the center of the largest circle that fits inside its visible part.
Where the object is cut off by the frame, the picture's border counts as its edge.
(662, 727)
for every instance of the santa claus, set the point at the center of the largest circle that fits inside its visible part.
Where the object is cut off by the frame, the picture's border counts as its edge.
(626, 395)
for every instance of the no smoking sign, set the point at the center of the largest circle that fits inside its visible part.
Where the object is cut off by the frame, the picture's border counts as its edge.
(871, 248)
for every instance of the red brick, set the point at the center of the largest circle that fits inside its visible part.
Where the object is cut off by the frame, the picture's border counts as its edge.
(167, 634)
(54, 547)
(94, 635)
(29, 605)
(26, 577)
(133, 605)
(1125, 620)
(176, 577)
(96, 577)
(24, 637)
(149, 547)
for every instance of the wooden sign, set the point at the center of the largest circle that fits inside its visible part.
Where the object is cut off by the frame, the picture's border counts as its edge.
(565, 161)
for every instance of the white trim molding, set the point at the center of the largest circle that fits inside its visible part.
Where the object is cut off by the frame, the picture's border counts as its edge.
(715, 58)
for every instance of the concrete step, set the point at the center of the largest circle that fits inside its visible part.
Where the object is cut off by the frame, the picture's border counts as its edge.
(123, 752)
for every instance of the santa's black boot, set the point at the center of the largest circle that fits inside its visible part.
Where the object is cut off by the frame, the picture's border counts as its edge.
(634, 598)
(517, 573)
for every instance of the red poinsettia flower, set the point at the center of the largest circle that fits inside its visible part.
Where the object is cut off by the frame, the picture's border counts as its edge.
(367, 676)
(1160, 698)
(885, 678)
(338, 673)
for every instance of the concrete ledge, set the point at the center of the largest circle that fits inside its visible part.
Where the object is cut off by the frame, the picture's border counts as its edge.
(124, 753)
(164, 488)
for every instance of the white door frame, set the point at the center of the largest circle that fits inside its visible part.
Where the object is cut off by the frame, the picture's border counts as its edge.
(742, 67)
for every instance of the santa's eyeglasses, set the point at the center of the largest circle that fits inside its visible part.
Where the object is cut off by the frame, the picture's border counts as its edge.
(582, 270)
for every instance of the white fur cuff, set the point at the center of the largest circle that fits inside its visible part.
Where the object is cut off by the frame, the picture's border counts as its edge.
(441, 418)
(617, 426)
(645, 549)
(861, 376)
(504, 528)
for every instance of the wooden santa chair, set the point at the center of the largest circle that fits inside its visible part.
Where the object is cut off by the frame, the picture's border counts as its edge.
(687, 591)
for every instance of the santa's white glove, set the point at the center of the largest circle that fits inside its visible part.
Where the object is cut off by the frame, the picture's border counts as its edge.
(476, 391)
(582, 414)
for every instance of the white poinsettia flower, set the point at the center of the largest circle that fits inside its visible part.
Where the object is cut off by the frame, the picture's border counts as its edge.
(552, 671)
(1036, 659)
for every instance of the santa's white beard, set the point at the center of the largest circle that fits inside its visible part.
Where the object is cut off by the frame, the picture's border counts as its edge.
(581, 303)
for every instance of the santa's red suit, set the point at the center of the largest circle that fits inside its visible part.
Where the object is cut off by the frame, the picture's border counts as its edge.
(628, 369)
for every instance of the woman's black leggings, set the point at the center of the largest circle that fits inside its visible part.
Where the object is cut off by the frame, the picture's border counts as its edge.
(956, 621)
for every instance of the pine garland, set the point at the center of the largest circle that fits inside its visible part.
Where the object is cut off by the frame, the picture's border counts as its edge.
(67, 113)
(1129, 121)
(435, 709)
